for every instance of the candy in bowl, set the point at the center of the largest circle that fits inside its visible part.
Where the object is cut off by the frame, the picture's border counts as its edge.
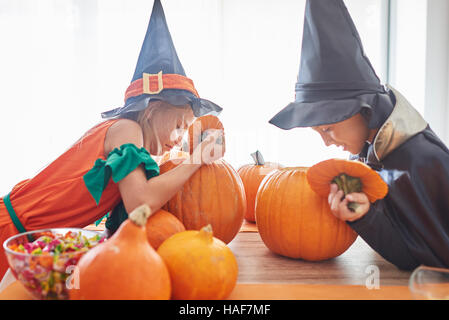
(44, 261)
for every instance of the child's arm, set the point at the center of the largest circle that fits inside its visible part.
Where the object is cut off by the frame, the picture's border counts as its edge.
(374, 226)
(135, 189)
(381, 233)
(410, 226)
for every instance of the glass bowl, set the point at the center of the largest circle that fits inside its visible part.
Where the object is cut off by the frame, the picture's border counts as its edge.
(430, 283)
(48, 275)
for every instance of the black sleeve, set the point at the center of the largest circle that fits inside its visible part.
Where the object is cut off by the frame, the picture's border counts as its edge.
(410, 226)
(377, 229)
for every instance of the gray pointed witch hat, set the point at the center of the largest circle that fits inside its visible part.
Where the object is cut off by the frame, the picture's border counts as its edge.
(336, 79)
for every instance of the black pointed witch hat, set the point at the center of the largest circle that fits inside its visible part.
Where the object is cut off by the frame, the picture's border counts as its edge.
(336, 79)
(159, 74)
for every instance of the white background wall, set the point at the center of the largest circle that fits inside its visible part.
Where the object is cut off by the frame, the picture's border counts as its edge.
(64, 62)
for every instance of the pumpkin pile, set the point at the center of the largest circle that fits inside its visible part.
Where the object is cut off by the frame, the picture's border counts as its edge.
(201, 266)
(213, 195)
(296, 222)
(252, 175)
(187, 265)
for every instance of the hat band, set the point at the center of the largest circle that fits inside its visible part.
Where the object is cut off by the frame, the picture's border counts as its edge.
(155, 83)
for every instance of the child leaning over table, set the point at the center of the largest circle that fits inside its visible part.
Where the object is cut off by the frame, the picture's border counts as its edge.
(339, 95)
(112, 164)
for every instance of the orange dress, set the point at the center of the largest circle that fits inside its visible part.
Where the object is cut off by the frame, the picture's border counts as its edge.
(57, 196)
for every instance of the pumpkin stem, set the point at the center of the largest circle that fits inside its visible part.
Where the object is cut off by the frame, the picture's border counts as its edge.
(353, 206)
(348, 184)
(206, 232)
(204, 135)
(140, 215)
(258, 159)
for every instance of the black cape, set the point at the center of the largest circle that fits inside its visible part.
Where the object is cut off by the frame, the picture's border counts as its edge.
(410, 226)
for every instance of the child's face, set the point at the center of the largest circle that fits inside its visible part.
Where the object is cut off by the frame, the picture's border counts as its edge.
(171, 125)
(350, 134)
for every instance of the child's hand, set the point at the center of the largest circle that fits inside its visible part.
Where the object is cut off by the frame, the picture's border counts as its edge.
(210, 149)
(339, 207)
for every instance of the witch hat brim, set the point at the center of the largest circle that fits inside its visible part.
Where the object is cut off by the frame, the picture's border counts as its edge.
(159, 74)
(336, 79)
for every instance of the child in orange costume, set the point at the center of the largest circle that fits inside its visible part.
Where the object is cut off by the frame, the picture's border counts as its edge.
(112, 162)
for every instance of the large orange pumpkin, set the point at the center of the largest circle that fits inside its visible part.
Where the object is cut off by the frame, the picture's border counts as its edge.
(296, 222)
(252, 175)
(201, 266)
(125, 267)
(161, 226)
(214, 195)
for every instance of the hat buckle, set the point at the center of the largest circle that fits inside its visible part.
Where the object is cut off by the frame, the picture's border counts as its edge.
(146, 82)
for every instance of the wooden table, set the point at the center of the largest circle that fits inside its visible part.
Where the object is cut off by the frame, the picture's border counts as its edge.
(257, 264)
(266, 275)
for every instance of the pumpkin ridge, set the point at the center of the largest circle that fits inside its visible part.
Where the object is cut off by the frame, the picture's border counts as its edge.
(338, 231)
(203, 195)
(266, 218)
(219, 200)
(301, 222)
(280, 244)
(302, 192)
(237, 184)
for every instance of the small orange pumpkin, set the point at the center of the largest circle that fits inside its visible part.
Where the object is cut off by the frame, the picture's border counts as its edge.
(198, 132)
(201, 266)
(161, 226)
(252, 175)
(296, 222)
(125, 267)
(350, 176)
(214, 195)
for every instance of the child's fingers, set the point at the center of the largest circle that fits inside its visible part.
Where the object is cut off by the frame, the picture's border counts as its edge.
(339, 206)
(333, 190)
(363, 202)
(345, 213)
(335, 203)
(359, 197)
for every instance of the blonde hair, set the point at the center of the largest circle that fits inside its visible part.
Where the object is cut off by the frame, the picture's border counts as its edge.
(145, 118)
